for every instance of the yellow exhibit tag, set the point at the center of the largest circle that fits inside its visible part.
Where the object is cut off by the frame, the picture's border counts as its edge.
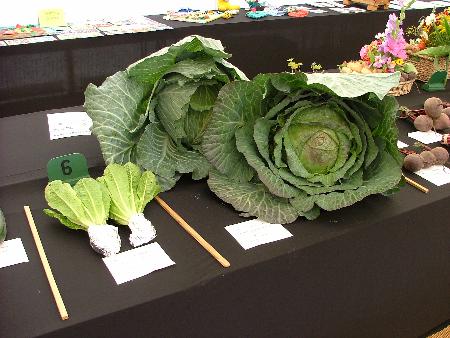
(52, 17)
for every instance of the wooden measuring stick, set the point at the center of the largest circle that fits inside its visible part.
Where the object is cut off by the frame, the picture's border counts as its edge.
(416, 185)
(208, 247)
(48, 270)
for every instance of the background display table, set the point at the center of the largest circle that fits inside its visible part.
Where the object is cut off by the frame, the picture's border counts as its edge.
(55, 74)
(376, 269)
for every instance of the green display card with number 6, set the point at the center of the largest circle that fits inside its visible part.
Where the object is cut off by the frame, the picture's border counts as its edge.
(69, 168)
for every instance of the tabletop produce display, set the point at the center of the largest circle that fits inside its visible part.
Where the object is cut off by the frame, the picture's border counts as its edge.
(280, 147)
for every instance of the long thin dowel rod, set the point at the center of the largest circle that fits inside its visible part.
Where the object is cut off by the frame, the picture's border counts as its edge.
(416, 185)
(48, 271)
(208, 247)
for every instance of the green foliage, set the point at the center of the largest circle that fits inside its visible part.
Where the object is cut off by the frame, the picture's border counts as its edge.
(287, 145)
(129, 189)
(155, 113)
(441, 51)
(2, 227)
(408, 67)
(86, 204)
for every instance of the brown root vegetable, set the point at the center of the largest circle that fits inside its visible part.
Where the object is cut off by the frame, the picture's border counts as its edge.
(446, 111)
(433, 107)
(441, 155)
(428, 158)
(423, 123)
(443, 122)
(413, 162)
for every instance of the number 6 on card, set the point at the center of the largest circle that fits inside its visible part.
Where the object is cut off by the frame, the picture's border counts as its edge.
(68, 168)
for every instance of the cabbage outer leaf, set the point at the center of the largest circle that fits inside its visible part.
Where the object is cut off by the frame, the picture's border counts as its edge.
(251, 198)
(2, 227)
(114, 110)
(238, 103)
(354, 85)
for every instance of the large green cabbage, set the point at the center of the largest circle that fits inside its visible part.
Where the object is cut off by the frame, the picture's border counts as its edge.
(155, 113)
(285, 146)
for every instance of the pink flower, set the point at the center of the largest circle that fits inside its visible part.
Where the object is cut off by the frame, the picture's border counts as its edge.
(395, 46)
(363, 52)
(392, 24)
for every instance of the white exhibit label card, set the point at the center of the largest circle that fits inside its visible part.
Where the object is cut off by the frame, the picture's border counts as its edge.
(68, 124)
(436, 174)
(12, 252)
(137, 262)
(255, 232)
(401, 145)
(426, 137)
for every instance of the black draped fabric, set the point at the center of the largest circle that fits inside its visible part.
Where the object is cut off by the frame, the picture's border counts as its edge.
(379, 268)
(55, 74)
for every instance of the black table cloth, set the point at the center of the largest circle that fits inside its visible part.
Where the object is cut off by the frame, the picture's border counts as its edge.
(379, 268)
(55, 74)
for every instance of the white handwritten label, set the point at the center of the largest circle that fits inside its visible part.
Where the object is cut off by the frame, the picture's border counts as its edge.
(401, 145)
(68, 124)
(138, 262)
(426, 137)
(255, 232)
(436, 174)
(12, 252)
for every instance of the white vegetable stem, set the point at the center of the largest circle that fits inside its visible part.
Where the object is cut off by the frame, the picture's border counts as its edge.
(104, 239)
(142, 230)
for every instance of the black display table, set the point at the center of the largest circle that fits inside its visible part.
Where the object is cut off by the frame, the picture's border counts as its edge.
(379, 268)
(51, 75)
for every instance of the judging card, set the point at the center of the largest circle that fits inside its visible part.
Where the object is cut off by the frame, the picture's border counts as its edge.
(12, 252)
(436, 174)
(426, 137)
(137, 262)
(68, 124)
(401, 145)
(256, 232)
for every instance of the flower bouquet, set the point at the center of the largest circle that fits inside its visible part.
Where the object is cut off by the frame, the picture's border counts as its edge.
(386, 54)
(430, 47)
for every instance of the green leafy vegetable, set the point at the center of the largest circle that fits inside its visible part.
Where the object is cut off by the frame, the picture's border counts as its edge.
(287, 145)
(440, 51)
(84, 207)
(86, 204)
(354, 85)
(2, 227)
(155, 113)
(130, 192)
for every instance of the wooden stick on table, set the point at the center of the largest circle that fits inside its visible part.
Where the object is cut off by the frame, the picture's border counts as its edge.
(416, 185)
(208, 247)
(48, 270)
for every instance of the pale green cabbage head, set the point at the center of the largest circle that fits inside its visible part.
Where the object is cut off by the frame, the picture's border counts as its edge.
(285, 146)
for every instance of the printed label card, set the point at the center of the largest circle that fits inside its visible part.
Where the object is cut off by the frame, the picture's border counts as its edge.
(68, 124)
(401, 145)
(436, 174)
(426, 137)
(51, 17)
(12, 252)
(256, 232)
(137, 262)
